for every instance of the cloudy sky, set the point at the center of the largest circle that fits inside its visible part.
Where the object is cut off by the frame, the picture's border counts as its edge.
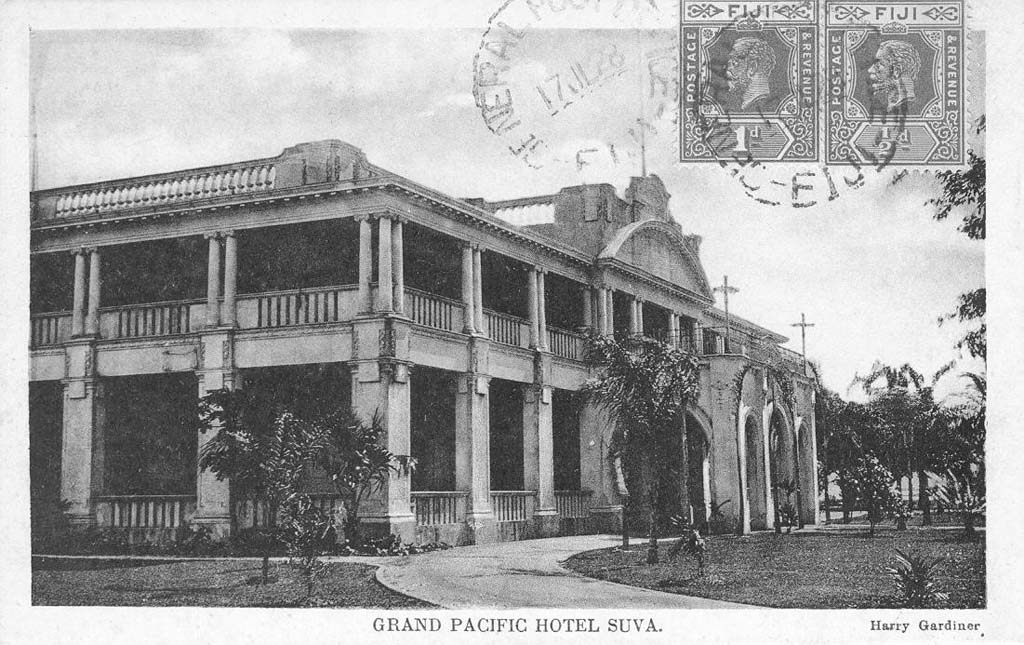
(871, 269)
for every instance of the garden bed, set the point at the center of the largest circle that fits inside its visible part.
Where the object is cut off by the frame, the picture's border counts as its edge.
(204, 583)
(801, 570)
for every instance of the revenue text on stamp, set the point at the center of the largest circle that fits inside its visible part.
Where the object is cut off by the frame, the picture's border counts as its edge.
(749, 78)
(895, 83)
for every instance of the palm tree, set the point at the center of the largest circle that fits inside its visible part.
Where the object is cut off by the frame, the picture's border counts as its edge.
(646, 386)
(906, 409)
(353, 457)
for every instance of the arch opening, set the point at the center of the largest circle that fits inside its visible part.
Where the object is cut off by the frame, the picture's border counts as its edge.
(756, 497)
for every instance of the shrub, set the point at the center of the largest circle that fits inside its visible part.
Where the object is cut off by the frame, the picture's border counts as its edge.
(308, 532)
(691, 542)
(900, 512)
(914, 577)
(963, 495)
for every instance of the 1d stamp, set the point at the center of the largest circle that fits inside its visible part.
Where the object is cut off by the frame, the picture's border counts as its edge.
(749, 79)
(895, 83)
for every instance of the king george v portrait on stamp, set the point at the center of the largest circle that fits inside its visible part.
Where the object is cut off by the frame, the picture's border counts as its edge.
(749, 70)
(893, 74)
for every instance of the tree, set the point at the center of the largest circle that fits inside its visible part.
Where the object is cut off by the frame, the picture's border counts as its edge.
(646, 386)
(357, 463)
(905, 432)
(873, 483)
(265, 461)
(840, 426)
(964, 190)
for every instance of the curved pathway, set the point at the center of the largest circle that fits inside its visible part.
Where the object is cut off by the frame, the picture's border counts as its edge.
(523, 574)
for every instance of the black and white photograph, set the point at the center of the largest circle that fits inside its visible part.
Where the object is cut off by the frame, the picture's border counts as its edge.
(468, 321)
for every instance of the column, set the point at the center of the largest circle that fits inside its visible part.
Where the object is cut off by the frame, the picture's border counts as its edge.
(468, 306)
(92, 321)
(79, 304)
(212, 280)
(588, 307)
(385, 283)
(82, 449)
(674, 339)
(602, 311)
(538, 457)
(229, 313)
(213, 507)
(532, 281)
(634, 317)
(398, 264)
(542, 316)
(365, 263)
(596, 472)
(640, 316)
(389, 509)
(473, 454)
(478, 291)
(610, 308)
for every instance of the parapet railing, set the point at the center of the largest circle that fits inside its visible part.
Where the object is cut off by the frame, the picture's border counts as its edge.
(230, 179)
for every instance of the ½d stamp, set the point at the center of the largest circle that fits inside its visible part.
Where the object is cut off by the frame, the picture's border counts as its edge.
(749, 75)
(895, 83)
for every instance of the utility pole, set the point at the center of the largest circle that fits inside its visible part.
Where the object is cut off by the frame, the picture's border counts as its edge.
(725, 289)
(803, 325)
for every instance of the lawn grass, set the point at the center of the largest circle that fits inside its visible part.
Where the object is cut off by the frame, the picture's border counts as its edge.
(802, 570)
(205, 583)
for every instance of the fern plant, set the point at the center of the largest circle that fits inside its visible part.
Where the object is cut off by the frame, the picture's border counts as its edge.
(915, 578)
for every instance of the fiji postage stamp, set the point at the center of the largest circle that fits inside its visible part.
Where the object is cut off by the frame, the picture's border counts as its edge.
(750, 81)
(895, 83)
(848, 83)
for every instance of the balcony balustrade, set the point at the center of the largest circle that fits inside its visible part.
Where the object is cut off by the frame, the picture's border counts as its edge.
(155, 319)
(433, 508)
(513, 505)
(573, 504)
(297, 307)
(565, 344)
(249, 513)
(506, 329)
(434, 311)
(145, 511)
(50, 328)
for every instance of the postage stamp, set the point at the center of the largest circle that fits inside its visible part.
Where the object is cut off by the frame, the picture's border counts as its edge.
(895, 82)
(750, 81)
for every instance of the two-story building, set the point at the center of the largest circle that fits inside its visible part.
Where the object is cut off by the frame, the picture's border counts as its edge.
(322, 280)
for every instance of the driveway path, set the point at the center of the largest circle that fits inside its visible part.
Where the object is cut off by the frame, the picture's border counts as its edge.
(523, 574)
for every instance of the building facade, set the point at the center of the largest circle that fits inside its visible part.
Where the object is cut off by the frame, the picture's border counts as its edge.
(322, 280)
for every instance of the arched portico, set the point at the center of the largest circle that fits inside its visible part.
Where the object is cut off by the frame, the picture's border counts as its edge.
(785, 482)
(808, 473)
(756, 497)
(698, 447)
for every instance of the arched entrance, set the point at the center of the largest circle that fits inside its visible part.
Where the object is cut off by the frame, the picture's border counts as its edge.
(784, 472)
(808, 475)
(757, 499)
(698, 453)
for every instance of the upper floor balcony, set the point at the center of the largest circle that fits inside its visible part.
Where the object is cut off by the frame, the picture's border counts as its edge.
(267, 265)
